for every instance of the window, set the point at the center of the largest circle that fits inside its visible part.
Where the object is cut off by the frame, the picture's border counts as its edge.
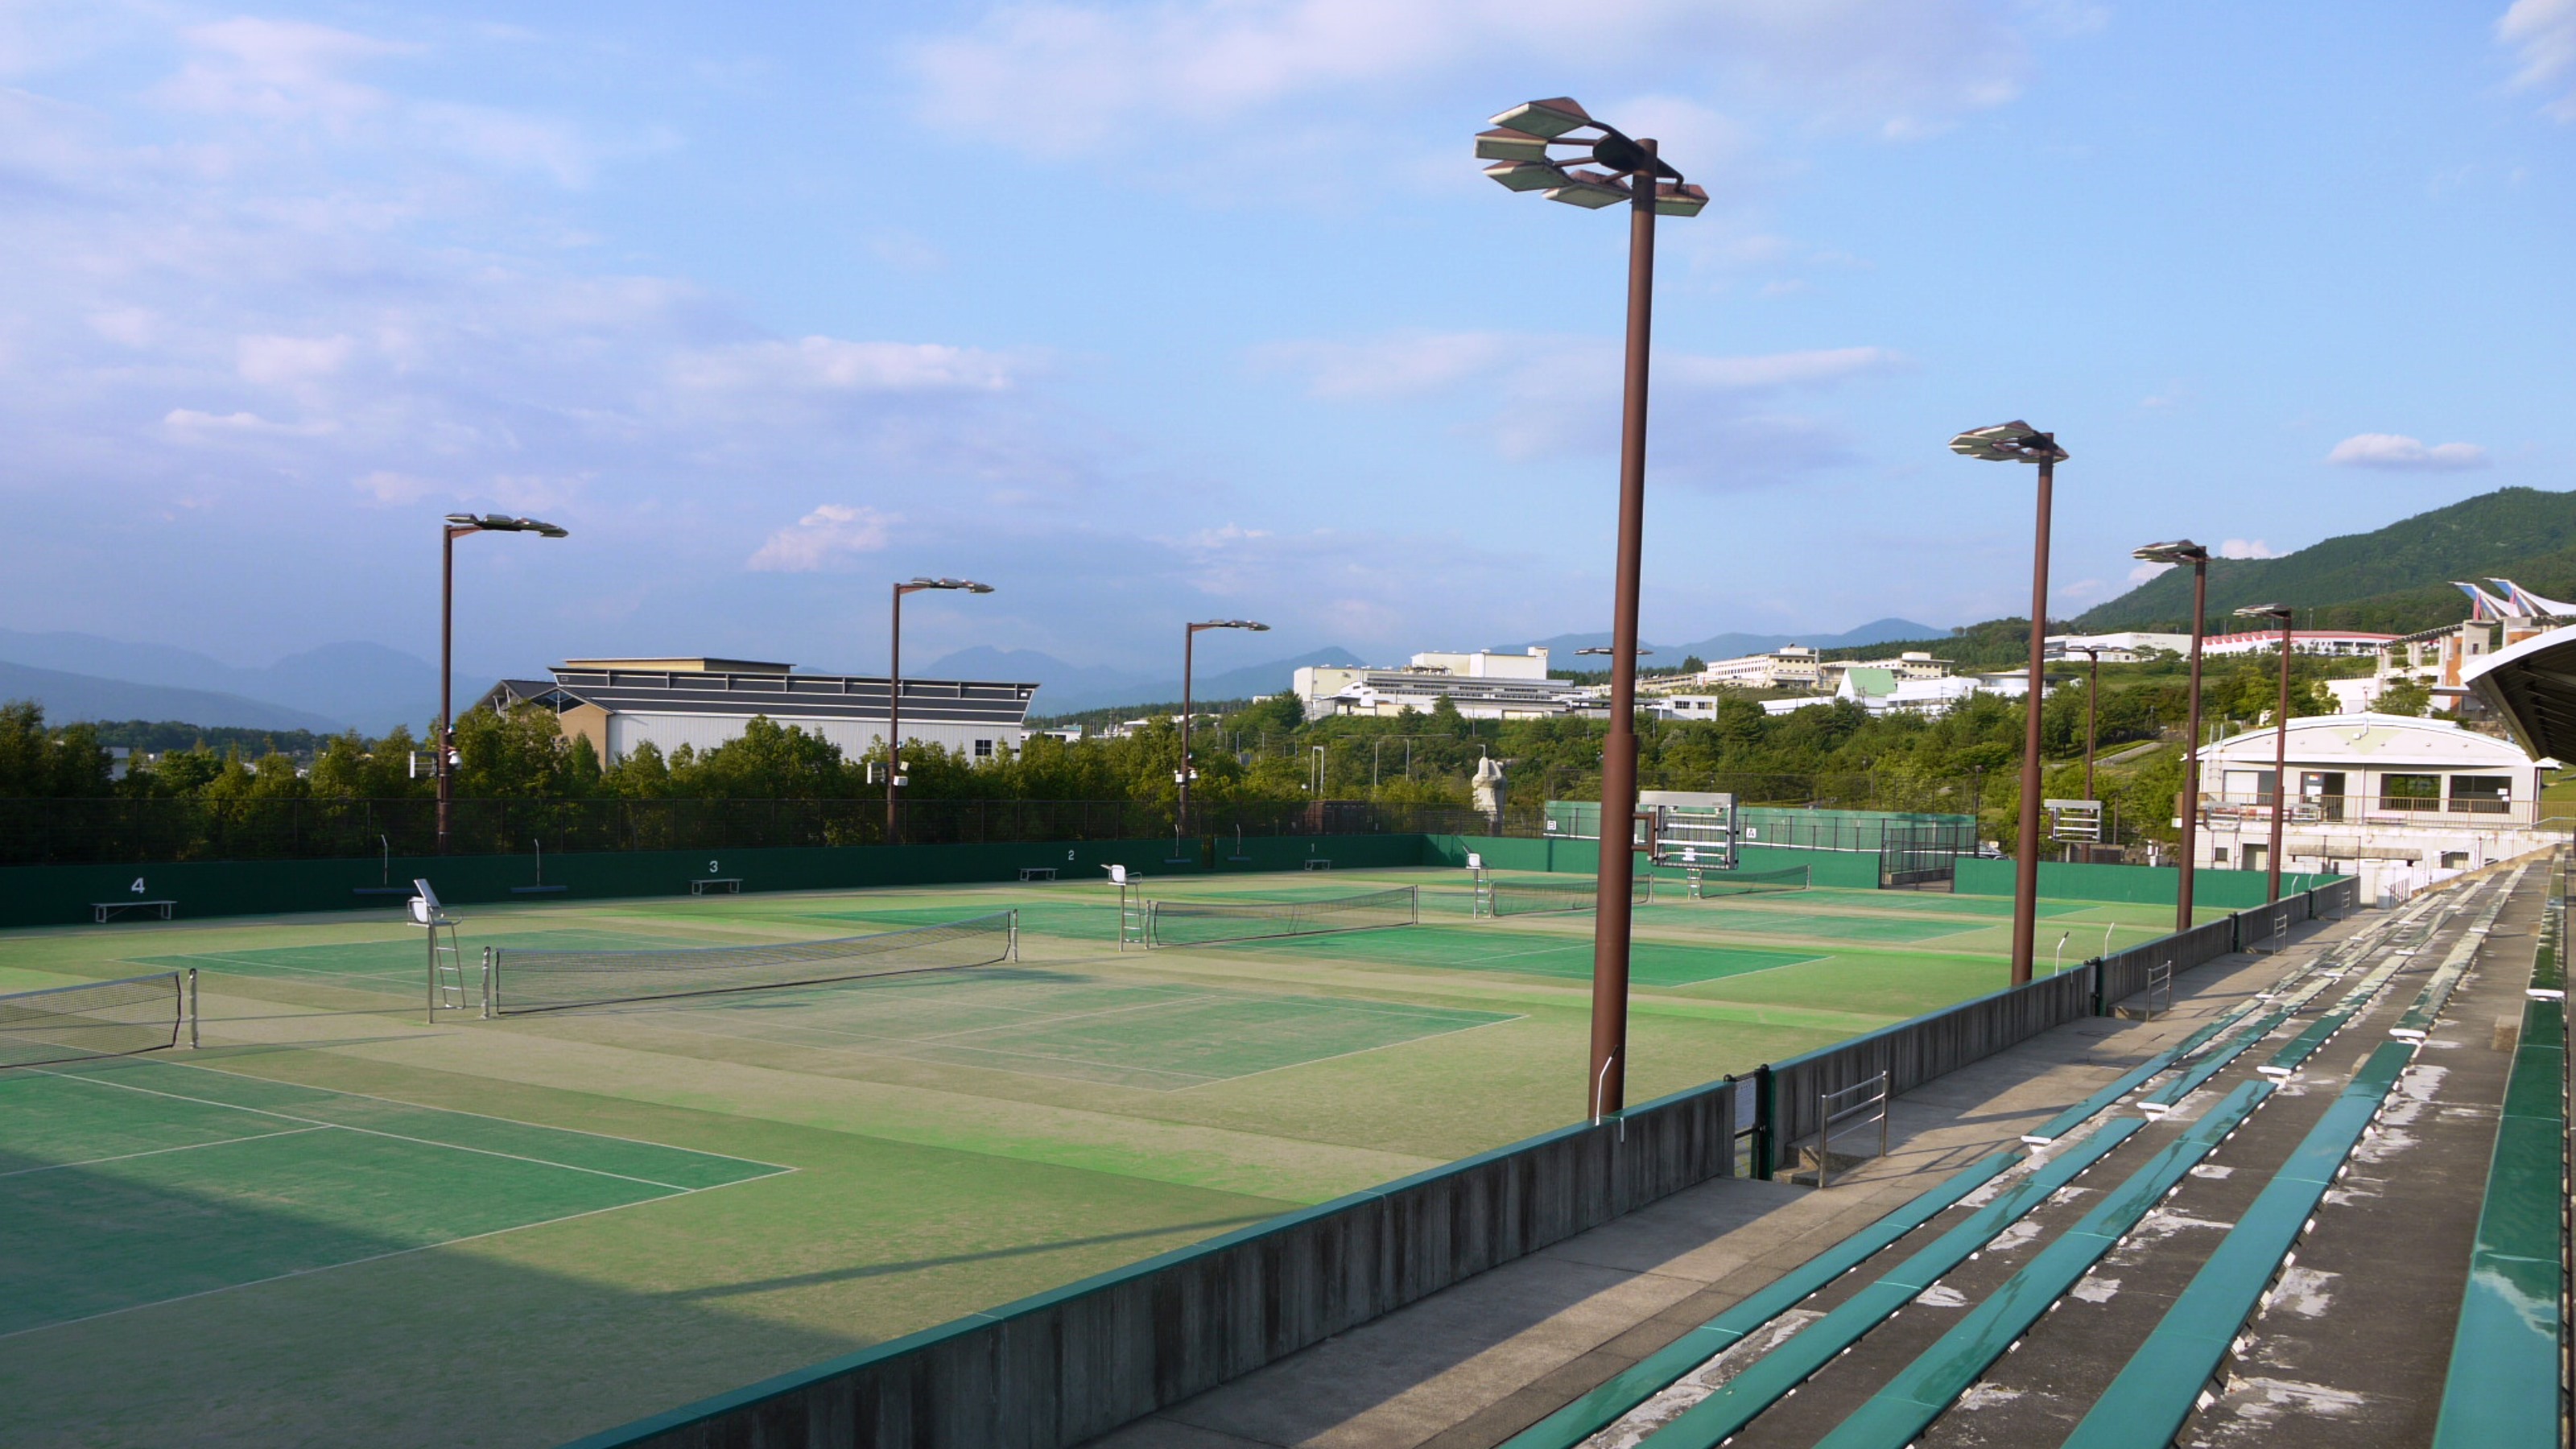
(2410, 792)
(983, 749)
(2218, 855)
(2481, 794)
(2455, 860)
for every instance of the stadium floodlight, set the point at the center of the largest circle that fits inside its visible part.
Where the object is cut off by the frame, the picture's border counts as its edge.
(2177, 552)
(1630, 170)
(2284, 615)
(1189, 771)
(2019, 442)
(1606, 649)
(456, 526)
(894, 691)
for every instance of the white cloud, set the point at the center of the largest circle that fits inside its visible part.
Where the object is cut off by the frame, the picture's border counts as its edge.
(277, 70)
(2146, 571)
(391, 489)
(189, 422)
(825, 538)
(2544, 31)
(280, 361)
(830, 364)
(1059, 77)
(2249, 548)
(1717, 421)
(2398, 453)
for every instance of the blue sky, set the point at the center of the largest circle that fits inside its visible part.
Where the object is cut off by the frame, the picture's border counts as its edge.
(1200, 308)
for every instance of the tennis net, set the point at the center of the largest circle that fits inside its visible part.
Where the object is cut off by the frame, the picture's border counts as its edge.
(1706, 883)
(95, 1019)
(1209, 923)
(517, 981)
(1529, 897)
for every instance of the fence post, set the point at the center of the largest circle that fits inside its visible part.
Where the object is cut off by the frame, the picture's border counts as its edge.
(1765, 1119)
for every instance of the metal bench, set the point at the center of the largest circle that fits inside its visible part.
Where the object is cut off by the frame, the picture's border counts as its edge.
(732, 885)
(1317, 862)
(1037, 872)
(106, 911)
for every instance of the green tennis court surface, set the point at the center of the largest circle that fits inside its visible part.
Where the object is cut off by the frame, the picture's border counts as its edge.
(1650, 963)
(138, 1181)
(338, 1222)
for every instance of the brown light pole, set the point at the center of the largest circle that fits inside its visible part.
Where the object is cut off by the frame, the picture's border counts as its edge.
(1633, 173)
(1187, 772)
(894, 693)
(2280, 744)
(2019, 442)
(444, 740)
(2092, 706)
(2181, 552)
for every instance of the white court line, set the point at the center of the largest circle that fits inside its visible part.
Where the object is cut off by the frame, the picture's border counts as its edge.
(158, 1151)
(370, 1131)
(480, 1116)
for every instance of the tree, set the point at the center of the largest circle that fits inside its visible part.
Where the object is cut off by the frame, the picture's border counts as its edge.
(2404, 696)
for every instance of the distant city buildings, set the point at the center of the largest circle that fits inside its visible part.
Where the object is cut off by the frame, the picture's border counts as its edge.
(1486, 684)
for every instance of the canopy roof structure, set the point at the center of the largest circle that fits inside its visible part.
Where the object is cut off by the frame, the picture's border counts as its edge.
(2533, 687)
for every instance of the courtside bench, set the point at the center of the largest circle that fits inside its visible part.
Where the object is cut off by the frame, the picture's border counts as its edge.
(1037, 872)
(106, 911)
(729, 884)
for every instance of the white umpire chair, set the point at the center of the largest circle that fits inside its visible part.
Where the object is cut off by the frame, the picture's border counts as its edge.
(446, 962)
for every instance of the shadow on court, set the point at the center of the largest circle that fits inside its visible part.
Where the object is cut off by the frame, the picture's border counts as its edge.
(882, 1270)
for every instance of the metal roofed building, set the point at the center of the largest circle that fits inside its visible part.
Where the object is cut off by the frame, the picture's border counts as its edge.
(2390, 798)
(2532, 685)
(618, 704)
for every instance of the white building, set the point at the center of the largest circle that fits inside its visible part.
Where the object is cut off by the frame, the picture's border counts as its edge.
(2342, 643)
(2125, 647)
(1483, 685)
(618, 704)
(1791, 666)
(2373, 795)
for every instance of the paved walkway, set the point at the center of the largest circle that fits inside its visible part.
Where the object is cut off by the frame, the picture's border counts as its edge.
(1476, 1364)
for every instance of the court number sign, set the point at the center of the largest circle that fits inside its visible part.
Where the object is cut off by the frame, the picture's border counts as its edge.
(137, 887)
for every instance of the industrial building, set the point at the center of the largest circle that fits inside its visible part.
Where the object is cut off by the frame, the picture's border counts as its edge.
(618, 704)
(1486, 684)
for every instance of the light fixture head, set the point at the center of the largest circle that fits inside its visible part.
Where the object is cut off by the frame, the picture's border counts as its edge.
(503, 523)
(1683, 199)
(1505, 144)
(2282, 612)
(1526, 175)
(1550, 119)
(2013, 442)
(1607, 649)
(969, 585)
(2180, 551)
(1591, 190)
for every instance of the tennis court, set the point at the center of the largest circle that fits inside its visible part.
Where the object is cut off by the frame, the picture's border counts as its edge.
(333, 1200)
(139, 1181)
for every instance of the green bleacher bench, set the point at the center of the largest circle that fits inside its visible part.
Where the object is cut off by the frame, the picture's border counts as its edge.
(106, 911)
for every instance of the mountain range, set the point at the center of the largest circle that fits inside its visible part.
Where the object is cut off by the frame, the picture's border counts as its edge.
(2395, 580)
(333, 687)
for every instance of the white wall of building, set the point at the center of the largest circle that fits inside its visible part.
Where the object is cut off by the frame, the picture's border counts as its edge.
(703, 732)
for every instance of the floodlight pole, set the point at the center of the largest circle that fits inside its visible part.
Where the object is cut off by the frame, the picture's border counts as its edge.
(2026, 857)
(2191, 746)
(445, 740)
(2092, 711)
(2280, 767)
(1611, 920)
(456, 526)
(894, 716)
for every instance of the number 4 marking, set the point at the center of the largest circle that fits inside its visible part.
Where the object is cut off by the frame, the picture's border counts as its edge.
(137, 887)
